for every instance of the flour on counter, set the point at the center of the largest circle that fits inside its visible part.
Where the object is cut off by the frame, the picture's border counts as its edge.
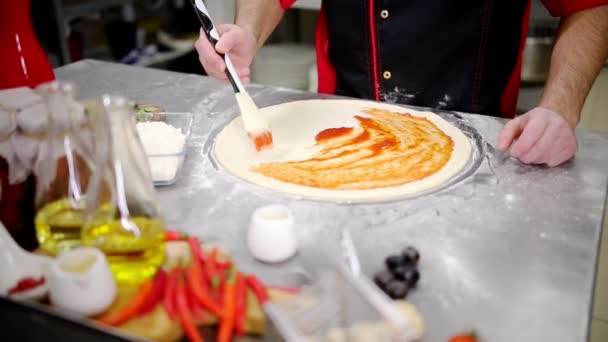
(163, 145)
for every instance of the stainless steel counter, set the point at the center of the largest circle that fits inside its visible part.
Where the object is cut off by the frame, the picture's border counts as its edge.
(510, 252)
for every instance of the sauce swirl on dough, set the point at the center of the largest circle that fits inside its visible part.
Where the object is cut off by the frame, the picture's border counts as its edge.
(387, 149)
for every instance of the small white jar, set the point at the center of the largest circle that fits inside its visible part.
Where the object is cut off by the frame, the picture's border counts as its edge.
(80, 281)
(272, 236)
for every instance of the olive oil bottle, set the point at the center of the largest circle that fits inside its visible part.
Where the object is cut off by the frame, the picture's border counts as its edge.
(58, 226)
(124, 222)
(63, 169)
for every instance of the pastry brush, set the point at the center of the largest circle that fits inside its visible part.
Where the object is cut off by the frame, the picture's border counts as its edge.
(257, 129)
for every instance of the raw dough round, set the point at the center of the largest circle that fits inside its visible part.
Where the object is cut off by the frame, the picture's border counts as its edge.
(294, 126)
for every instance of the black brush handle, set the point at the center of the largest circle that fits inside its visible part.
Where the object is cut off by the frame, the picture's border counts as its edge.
(212, 36)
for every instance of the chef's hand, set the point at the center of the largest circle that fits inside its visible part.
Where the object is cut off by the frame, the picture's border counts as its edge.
(239, 43)
(541, 136)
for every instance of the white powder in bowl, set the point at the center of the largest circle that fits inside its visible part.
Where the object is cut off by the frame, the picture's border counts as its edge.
(160, 141)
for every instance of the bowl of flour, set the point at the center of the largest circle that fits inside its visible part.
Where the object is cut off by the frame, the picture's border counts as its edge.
(164, 136)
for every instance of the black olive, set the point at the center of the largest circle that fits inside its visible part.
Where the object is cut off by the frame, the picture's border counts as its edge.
(396, 289)
(400, 272)
(411, 255)
(383, 278)
(395, 261)
(408, 274)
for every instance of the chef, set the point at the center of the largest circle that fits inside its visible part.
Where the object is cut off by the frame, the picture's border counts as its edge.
(457, 55)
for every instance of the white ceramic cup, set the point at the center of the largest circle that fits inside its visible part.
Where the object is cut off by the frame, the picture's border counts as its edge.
(80, 281)
(272, 237)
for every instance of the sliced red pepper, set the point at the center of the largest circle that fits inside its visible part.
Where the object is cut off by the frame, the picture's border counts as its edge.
(169, 295)
(227, 322)
(195, 246)
(172, 235)
(221, 275)
(198, 312)
(211, 269)
(185, 315)
(194, 279)
(200, 261)
(241, 305)
(258, 288)
(131, 309)
(220, 293)
(226, 265)
(156, 295)
(26, 284)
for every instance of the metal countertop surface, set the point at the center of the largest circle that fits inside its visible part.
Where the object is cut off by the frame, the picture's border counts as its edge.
(510, 251)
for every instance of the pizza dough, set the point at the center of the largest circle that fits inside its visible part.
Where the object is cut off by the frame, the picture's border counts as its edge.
(364, 151)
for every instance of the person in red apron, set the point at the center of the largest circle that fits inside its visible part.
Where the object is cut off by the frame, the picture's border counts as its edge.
(456, 55)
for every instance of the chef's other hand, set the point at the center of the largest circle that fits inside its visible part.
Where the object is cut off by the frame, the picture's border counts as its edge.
(239, 43)
(541, 136)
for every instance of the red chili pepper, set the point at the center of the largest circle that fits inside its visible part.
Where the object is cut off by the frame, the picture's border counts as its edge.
(195, 246)
(198, 312)
(169, 295)
(26, 284)
(220, 293)
(468, 337)
(241, 305)
(185, 316)
(221, 274)
(156, 295)
(194, 279)
(226, 265)
(131, 309)
(172, 235)
(227, 322)
(211, 269)
(258, 288)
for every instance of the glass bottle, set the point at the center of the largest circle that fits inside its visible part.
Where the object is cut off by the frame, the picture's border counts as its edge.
(124, 222)
(62, 170)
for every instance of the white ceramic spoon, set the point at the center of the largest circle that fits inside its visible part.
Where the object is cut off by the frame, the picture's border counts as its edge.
(16, 264)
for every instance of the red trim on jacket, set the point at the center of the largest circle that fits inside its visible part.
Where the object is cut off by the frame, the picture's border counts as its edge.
(560, 8)
(374, 44)
(325, 70)
(508, 102)
(286, 4)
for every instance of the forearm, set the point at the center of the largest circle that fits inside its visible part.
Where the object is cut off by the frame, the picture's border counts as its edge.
(581, 48)
(259, 17)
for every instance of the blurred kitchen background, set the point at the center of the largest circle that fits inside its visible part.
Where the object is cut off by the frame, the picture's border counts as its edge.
(161, 33)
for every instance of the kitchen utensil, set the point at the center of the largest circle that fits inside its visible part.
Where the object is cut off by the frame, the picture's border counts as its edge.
(257, 129)
(348, 250)
(17, 264)
(343, 307)
(81, 282)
